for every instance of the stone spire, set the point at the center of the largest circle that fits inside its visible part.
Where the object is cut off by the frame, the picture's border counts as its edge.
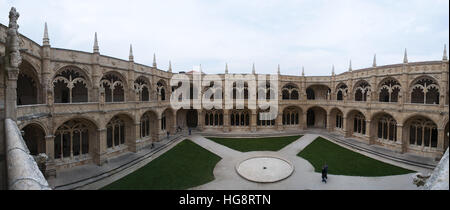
(332, 71)
(374, 61)
(46, 40)
(445, 53)
(303, 71)
(154, 61)
(350, 67)
(279, 69)
(170, 66)
(201, 70)
(226, 68)
(405, 58)
(96, 48)
(253, 69)
(131, 57)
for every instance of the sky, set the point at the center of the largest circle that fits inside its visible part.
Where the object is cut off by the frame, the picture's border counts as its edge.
(314, 34)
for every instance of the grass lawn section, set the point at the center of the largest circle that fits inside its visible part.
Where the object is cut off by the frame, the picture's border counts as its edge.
(184, 166)
(256, 144)
(342, 161)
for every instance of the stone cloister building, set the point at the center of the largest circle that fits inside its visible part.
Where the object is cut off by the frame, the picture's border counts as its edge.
(85, 107)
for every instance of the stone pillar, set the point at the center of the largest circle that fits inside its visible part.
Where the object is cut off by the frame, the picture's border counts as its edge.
(400, 138)
(369, 135)
(226, 121)
(100, 150)
(132, 144)
(303, 120)
(200, 120)
(441, 136)
(329, 124)
(346, 127)
(50, 169)
(253, 121)
(279, 122)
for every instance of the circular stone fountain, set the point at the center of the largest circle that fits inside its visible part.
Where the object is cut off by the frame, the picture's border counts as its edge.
(265, 169)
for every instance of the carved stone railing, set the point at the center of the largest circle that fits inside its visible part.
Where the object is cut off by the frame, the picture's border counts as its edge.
(22, 170)
(439, 178)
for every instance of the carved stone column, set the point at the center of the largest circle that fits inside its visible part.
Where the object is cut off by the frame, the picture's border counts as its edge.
(50, 169)
(226, 121)
(400, 138)
(99, 155)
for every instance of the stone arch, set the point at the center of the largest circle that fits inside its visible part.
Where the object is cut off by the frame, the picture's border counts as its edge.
(420, 133)
(142, 88)
(292, 116)
(356, 122)
(361, 90)
(168, 120)
(115, 86)
(162, 90)
(149, 125)
(290, 91)
(120, 131)
(337, 118)
(34, 136)
(424, 90)
(75, 137)
(213, 118)
(389, 90)
(29, 88)
(84, 71)
(341, 91)
(384, 126)
(318, 92)
(316, 117)
(70, 85)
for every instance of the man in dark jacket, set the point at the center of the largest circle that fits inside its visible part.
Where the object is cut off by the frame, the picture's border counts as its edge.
(325, 173)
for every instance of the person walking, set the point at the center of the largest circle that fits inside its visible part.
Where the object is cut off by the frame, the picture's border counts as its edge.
(325, 173)
(190, 131)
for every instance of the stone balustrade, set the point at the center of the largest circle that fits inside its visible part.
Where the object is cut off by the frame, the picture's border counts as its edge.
(22, 170)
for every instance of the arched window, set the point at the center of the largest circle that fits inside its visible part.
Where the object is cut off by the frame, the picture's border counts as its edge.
(161, 90)
(163, 122)
(115, 133)
(425, 91)
(339, 121)
(362, 91)
(389, 91)
(114, 88)
(359, 124)
(264, 118)
(70, 86)
(291, 116)
(240, 118)
(387, 128)
(141, 88)
(145, 126)
(290, 92)
(27, 85)
(71, 140)
(341, 91)
(423, 133)
(310, 94)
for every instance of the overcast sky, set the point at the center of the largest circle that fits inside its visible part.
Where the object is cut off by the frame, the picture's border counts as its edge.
(293, 33)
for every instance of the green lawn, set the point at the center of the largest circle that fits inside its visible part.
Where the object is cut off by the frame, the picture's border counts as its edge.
(342, 161)
(256, 144)
(184, 166)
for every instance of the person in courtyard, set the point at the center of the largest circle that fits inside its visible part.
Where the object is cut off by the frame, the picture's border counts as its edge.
(325, 173)
(190, 131)
(168, 134)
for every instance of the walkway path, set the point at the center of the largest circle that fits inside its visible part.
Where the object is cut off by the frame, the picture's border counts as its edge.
(304, 177)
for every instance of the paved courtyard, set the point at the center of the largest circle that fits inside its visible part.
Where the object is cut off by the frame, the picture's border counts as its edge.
(226, 176)
(303, 178)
